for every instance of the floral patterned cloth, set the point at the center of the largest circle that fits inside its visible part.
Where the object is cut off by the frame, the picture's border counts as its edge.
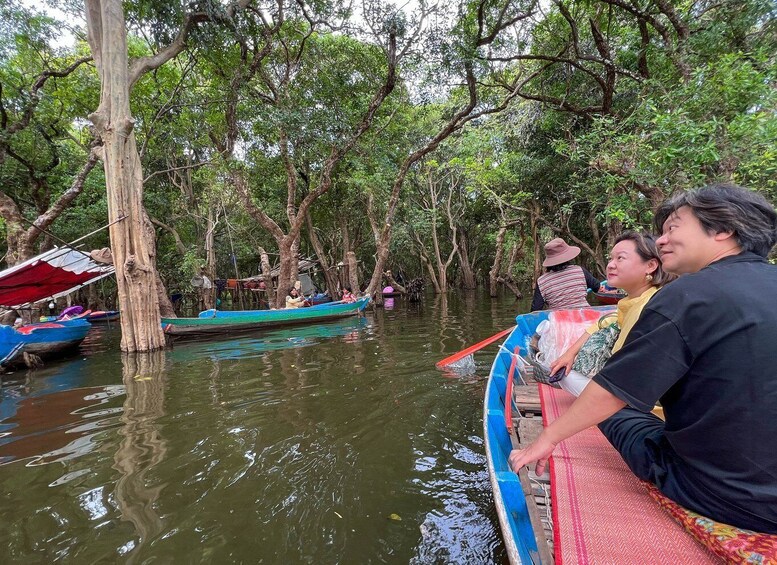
(734, 545)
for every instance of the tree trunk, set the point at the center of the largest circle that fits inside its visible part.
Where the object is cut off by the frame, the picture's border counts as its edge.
(267, 276)
(132, 250)
(467, 273)
(209, 296)
(329, 278)
(537, 246)
(284, 277)
(353, 274)
(493, 274)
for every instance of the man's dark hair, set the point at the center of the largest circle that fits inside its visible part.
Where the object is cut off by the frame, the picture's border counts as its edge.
(727, 208)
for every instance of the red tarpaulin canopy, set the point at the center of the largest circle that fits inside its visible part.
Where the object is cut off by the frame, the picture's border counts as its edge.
(52, 274)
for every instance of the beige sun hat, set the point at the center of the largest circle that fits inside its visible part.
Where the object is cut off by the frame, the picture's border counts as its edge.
(557, 251)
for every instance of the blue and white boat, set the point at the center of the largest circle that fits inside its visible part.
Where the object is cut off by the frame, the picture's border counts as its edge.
(45, 339)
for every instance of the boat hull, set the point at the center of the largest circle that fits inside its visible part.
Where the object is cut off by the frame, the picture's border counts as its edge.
(102, 317)
(46, 340)
(509, 498)
(214, 322)
(604, 298)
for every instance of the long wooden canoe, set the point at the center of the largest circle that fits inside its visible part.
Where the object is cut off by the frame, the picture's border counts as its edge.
(520, 529)
(215, 322)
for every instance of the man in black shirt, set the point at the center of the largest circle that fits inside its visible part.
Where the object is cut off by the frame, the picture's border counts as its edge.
(706, 347)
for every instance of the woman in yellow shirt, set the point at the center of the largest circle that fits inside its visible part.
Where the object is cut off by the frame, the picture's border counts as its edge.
(635, 267)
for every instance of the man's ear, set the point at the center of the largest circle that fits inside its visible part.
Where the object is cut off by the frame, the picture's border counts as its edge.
(724, 235)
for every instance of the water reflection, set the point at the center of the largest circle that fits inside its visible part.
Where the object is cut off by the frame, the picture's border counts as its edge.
(292, 446)
(258, 344)
(142, 446)
(53, 419)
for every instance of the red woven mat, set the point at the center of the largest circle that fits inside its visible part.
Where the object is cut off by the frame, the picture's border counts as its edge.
(601, 512)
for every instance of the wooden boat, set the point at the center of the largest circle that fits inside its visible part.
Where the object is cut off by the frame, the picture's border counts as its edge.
(511, 506)
(320, 298)
(100, 316)
(518, 520)
(215, 322)
(604, 298)
(45, 339)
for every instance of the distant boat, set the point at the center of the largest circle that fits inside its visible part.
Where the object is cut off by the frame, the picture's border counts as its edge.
(100, 316)
(45, 339)
(215, 322)
(605, 298)
(320, 298)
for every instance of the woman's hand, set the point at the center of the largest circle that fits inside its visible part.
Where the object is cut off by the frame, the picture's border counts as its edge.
(566, 361)
(539, 451)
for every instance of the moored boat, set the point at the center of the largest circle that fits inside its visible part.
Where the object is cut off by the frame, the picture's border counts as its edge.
(215, 322)
(46, 339)
(604, 298)
(99, 316)
(511, 505)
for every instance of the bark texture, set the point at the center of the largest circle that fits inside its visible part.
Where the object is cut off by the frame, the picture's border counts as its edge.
(132, 248)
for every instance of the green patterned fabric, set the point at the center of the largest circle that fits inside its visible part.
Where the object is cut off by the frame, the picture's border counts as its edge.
(595, 352)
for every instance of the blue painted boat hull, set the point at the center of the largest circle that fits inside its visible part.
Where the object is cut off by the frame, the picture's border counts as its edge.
(42, 340)
(509, 499)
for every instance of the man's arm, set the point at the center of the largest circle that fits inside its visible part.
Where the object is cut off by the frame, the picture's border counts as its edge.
(593, 406)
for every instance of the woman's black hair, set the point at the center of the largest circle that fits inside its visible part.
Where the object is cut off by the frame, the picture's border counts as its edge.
(559, 267)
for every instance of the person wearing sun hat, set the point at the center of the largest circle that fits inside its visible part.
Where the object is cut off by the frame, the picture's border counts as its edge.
(563, 285)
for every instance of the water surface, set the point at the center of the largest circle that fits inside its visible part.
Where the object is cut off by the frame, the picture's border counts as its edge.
(334, 444)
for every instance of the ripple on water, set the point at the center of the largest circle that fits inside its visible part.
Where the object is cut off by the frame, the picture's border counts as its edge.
(334, 443)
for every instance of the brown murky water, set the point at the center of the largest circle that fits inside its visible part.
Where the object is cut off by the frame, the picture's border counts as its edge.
(335, 444)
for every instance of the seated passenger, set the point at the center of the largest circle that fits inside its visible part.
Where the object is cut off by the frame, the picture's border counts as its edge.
(705, 347)
(563, 285)
(635, 267)
(294, 300)
(348, 295)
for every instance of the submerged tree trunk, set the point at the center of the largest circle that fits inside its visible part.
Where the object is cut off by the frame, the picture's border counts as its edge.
(493, 275)
(353, 275)
(131, 247)
(467, 272)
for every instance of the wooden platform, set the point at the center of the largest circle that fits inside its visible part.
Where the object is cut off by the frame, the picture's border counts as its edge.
(528, 426)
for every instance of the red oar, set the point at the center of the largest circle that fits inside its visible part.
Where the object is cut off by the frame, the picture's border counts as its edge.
(471, 349)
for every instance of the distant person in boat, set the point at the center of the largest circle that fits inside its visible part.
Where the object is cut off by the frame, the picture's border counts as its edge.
(635, 267)
(348, 295)
(294, 300)
(705, 347)
(563, 285)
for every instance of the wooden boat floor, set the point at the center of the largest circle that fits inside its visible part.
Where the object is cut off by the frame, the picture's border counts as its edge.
(528, 426)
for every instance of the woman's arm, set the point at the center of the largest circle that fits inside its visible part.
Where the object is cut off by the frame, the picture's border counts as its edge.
(537, 302)
(591, 281)
(567, 358)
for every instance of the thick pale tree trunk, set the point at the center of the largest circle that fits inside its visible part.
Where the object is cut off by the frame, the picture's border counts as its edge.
(353, 275)
(467, 273)
(131, 247)
(496, 268)
(267, 276)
